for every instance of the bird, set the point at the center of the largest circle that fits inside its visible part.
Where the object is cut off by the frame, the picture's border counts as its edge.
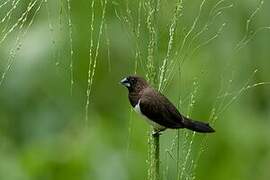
(158, 109)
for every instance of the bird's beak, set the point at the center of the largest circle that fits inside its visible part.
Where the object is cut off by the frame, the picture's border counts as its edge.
(125, 82)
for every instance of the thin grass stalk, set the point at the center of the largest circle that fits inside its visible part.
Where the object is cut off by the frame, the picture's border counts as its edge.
(154, 156)
(156, 160)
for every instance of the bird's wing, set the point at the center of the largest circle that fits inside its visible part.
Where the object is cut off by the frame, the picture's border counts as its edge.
(159, 109)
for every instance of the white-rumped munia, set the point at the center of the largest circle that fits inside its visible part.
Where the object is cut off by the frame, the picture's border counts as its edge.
(157, 109)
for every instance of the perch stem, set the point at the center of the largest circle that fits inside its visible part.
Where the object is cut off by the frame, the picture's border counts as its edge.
(156, 160)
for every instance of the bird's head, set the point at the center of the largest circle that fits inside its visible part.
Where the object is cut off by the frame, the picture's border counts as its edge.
(134, 83)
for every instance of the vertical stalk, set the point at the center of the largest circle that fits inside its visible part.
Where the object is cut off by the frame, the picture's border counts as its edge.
(178, 155)
(152, 7)
(156, 160)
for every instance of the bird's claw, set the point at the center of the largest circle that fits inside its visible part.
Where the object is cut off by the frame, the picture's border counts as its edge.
(156, 133)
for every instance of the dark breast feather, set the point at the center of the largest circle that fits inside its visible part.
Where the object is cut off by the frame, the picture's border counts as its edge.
(134, 98)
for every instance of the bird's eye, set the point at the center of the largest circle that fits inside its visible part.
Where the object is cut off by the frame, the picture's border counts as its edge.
(132, 80)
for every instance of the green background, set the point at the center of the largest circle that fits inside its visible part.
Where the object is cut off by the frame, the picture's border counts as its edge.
(43, 130)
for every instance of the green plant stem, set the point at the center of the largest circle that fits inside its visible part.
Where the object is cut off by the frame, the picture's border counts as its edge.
(178, 155)
(156, 160)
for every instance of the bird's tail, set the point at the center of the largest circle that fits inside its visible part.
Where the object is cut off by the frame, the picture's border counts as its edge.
(198, 126)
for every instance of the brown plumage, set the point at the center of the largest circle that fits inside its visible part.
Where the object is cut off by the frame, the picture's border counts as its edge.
(158, 110)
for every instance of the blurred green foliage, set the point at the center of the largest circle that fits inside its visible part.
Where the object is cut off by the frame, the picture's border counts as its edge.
(43, 132)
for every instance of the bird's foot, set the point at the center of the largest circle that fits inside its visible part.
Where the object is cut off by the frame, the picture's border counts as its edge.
(156, 133)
